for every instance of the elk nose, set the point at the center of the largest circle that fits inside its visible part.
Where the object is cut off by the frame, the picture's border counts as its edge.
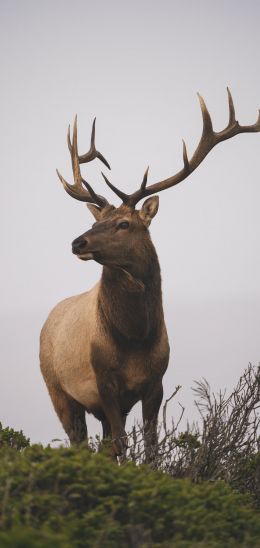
(78, 245)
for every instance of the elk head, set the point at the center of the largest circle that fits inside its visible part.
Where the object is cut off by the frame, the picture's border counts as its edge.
(114, 239)
(119, 238)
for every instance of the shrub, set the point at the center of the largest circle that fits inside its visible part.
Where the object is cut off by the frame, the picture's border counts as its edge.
(76, 498)
(224, 445)
(12, 438)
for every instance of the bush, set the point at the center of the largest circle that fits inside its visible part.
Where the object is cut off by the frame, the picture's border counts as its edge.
(76, 498)
(223, 446)
(11, 438)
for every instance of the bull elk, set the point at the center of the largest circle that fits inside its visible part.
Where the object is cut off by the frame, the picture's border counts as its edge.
(106, 349)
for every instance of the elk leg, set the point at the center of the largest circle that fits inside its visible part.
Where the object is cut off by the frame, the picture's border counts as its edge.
(71, 414)
(106, 428)
(109, 394)
(150, 407)
(108, 388)
(107, 434)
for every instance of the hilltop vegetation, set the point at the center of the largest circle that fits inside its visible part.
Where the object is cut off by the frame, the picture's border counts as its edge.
(201, 490)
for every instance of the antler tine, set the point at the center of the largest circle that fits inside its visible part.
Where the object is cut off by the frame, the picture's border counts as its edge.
(207, 122)
(97, 199)
(185, 155)
(75, 156)
(126, 198)
(117, 191)
(77, 191)
(144, 181)
(93, 134)
(69, 140)
(93, 152)
(209, 138)
(232, 114)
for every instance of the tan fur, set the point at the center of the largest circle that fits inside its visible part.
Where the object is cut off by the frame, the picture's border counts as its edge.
(67, 335)
(65, 353)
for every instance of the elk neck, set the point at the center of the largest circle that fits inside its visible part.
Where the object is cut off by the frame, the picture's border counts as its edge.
(130, 300)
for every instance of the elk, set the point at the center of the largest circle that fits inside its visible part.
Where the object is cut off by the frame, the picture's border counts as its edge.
(106, 349)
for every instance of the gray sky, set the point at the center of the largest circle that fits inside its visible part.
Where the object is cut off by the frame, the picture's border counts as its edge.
(136, 66)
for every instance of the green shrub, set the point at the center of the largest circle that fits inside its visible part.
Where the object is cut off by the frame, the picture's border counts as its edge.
(247, 479)
(76, 498)
(12, 438)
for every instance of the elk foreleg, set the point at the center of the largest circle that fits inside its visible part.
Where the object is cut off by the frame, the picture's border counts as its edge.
(150, 407)
(109, 394)
(106, 428)
(108, 388)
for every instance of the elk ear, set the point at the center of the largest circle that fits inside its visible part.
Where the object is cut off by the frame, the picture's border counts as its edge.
(95, 210)
(149, 209)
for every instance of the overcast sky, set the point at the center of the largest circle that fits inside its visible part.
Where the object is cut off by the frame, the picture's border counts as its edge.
(136, 66)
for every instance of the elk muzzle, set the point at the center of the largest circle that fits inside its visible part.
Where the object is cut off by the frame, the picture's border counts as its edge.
(80, 248)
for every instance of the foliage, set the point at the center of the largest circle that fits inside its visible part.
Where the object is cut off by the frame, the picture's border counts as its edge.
(74, 497)
(12, 438)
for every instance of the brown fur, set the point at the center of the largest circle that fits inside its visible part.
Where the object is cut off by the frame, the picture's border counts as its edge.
(106, 349)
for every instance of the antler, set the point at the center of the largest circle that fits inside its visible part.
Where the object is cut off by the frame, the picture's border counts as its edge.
(77, 191)
(209, 139)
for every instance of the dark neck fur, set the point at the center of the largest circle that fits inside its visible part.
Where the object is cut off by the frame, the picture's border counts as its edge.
(130, 302)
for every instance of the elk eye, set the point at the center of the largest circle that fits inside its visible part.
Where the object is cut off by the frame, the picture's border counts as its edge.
(123, 225)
